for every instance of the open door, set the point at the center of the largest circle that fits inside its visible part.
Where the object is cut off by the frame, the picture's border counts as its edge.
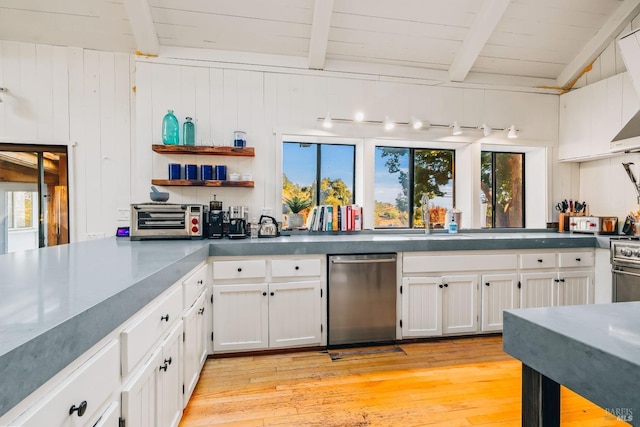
(34, 201)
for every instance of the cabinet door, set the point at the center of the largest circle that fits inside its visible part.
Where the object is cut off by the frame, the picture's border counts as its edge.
(421, 306)
(140, 395)
(575, 288)
(538, 290)
(460, 304)
(195, 344)
(499, 292)
(170, 372)
(240, 317)
(294, 314)
(110, 417)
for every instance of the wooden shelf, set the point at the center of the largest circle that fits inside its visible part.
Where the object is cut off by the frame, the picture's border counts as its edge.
(206, 150)
(201, 183)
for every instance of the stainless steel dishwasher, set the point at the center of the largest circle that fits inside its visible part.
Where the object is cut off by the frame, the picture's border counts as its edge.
(362, 299)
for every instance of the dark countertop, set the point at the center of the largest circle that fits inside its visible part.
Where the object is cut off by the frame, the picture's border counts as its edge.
(57, 302)
(592, 349)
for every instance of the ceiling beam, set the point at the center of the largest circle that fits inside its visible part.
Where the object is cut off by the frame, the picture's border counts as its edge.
(139, 13)
(322, 11)
(628, 10)
(483, 26)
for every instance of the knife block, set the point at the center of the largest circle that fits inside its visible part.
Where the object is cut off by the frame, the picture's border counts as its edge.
(563, 222)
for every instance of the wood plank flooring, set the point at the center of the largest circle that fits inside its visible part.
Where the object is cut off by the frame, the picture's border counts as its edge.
(452, 382)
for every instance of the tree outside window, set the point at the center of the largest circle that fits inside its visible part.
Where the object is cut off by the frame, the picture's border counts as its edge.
(502, 184)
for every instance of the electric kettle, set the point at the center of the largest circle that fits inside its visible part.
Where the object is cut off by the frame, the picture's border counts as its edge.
(268, 227)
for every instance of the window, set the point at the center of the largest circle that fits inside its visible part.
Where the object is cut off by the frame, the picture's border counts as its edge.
(21, 209)
(402, 176)
(323, 174)
(502, 184)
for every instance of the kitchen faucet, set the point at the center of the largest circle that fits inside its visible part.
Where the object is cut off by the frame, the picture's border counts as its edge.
(425, 211)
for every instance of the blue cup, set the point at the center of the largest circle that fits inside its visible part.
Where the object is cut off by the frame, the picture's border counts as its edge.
(206, 172)
(221, 172)
(175, 171)
(191, 172)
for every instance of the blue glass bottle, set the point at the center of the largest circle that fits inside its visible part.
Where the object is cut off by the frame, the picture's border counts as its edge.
(188, 132)
(170, 129)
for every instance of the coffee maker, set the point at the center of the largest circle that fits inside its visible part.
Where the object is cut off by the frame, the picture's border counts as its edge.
(218, 220)
(238, 218)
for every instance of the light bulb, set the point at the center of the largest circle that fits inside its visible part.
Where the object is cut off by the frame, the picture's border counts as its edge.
(388, 124)
(415, 123)
(456, 128)
(359, 116)
(327, 123)
(513, 133)
(486, 129)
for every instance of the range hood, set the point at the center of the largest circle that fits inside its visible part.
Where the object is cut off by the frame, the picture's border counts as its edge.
(628, 139)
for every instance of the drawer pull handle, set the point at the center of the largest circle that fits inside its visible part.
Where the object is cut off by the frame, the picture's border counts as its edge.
(201, 311)
(239, 269)
(297, 268)
(556, 280)
(164, 367)
(578, 259)
(79, 409)
(169, 360)
(539, 260)
(164, 318)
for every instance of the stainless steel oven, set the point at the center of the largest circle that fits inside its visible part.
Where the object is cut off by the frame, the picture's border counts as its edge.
(167, 221)
(625, 269)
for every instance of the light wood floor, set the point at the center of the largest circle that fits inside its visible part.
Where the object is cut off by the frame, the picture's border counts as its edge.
(453, 382)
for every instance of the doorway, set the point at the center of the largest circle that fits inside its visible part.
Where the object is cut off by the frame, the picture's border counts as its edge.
(34, 200)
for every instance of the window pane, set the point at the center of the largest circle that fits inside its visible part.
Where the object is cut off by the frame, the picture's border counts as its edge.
(486, 187)
(433, 175)
(22, 209)
(391, 187)
(509, 190)
(337, 172)
(299, 165)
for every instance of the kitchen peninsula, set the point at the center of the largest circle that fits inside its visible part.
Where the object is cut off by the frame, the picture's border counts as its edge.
(72, 296)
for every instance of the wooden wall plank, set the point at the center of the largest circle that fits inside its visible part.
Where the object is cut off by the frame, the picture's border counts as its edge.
(60, 86)
(77, 187)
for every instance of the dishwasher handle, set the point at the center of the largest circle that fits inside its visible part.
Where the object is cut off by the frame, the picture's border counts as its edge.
(363, 261)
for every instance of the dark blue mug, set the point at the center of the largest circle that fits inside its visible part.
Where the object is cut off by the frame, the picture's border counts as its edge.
(221, 173)
(175, 171)
(206, 172)
(190, 172)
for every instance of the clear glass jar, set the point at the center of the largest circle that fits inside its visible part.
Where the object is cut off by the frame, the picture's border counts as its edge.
(188, 132)
(170, 129)
(254, 228)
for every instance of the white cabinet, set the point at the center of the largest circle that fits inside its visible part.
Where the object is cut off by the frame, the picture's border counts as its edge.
(153, 396)
(294, 314)
(575, 288)
(77, 401)
(110, 417)
(538, 290)
(240, 317)
(195, 343)
(439, 305)
(280, 308)
(499, 292)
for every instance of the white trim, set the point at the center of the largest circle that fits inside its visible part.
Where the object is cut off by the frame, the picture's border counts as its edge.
(141, 21)
(320, 26)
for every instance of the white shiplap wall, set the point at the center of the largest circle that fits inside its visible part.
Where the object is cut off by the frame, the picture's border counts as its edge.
(111, 106)
(80, 98)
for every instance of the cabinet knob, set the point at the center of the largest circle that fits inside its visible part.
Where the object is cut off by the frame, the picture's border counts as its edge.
(79, 409)
(272, 293)
(239, 269)
(201, 311)
(164, 367)
(264, 294)
(440, 286)
(562, 280)
(169, 360)
(166, 317)
(556, 280)
(297, 268)
(540, 260)
(487, 284)
(200, 282)
(446, 285)
(578, 259)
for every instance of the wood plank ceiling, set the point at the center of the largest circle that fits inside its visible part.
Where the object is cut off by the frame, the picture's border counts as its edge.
(526, 43)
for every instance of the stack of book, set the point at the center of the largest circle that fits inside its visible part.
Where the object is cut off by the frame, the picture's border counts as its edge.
(335, 218)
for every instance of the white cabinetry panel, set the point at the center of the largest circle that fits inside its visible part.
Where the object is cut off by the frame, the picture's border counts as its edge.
(421, 306)
(139, 397)
(294, 313)
(239, 269)
(499, 292)
(460, 304)
(195, 343)
(538, 290)
(575, 288)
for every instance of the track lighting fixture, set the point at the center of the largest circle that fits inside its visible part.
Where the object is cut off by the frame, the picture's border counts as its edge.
(327, 123)
(415, 123)
(359, 116)
(513, 133)
(388, 124)
(457, 130)
(486, 129)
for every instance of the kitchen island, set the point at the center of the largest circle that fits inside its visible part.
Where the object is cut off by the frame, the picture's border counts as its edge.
(593, 350)
(59, 301)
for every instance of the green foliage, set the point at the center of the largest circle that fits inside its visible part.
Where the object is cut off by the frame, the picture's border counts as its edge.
(297, 203)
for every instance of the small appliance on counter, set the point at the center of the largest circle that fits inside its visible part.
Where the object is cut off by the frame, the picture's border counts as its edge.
(218, 221)
(238, 220)
(268, 227)
(594, 224)
(151, 221)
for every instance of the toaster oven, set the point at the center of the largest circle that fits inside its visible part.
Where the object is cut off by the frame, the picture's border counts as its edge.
(167, 221)
(594, 224)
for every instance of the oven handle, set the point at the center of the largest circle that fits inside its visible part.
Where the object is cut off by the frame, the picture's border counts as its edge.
(615, 271)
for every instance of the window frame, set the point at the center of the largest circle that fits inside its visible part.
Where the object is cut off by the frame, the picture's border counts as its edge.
(493, 188)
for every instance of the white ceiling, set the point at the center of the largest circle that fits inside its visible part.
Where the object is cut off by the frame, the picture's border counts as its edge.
(528, 43)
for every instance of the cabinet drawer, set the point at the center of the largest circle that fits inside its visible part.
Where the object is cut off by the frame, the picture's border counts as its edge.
(193, 286)
(447, 263)
(540, 260)
(93, 382)
(240, 269)
(576, 259)
(148, 327)
(295, 267)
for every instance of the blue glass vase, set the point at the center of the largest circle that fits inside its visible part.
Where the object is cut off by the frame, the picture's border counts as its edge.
(170, 129)
(188, 132)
